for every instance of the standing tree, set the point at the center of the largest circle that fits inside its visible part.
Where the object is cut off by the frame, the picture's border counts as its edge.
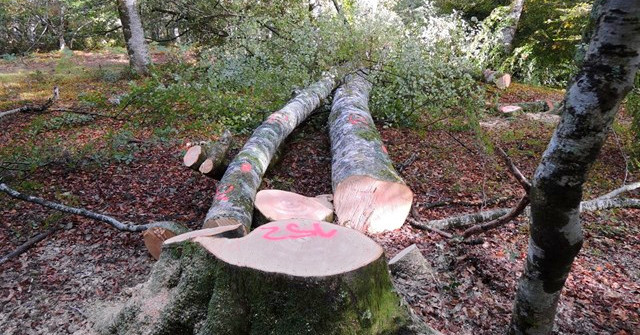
(590, 105)
(134, 36)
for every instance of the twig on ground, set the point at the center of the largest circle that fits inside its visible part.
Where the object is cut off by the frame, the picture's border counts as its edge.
(29, 244)
(415, 223)
(400, 168)
(124, 226)
(514, 170)
(515, 212)
(618, 191)
(35, 108)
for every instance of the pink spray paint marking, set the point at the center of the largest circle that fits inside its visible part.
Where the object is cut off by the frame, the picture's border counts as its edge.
(245, 167)
(293, 231)
(384, 149)
(223, 190)
(280, 118)
(357, 119)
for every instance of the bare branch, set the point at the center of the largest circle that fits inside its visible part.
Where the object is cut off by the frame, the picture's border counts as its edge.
(515, 212)
(80, 211)
(618, 191)
(514, 170)
(27, 245)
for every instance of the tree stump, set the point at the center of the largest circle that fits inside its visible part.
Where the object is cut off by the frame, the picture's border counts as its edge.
(368, 193)
(155, 236)
(286, 277)
(274, 205)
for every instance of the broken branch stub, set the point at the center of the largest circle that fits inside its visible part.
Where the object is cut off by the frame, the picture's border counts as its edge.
(368, 193)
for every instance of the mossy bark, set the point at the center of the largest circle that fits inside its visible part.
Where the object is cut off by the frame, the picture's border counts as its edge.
(233, 202)
(194, 290)
(591, 103)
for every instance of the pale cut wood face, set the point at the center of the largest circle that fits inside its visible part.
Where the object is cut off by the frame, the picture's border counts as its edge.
(371, 205)
(296, 247)
(281, 205)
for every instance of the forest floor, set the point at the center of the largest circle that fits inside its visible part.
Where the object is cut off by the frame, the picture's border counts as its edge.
(135, 174)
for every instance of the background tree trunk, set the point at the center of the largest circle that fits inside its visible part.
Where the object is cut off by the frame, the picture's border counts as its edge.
(134, 36)
(591, 104)
(509, 32)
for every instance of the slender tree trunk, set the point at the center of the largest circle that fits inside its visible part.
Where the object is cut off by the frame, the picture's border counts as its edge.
(509, 32)
(591, 103)
(134, 36)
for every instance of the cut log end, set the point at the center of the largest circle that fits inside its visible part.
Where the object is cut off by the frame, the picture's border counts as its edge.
(153, 239)
(193, 156)
(281, 205)
(303, 248)
(367, 204)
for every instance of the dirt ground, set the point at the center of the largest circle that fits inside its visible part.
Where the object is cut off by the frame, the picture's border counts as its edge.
(52, 288)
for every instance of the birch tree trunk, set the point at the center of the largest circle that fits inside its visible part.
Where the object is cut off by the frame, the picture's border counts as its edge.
(134, 36)
(509, 32)
(236, 192)
(591, 103)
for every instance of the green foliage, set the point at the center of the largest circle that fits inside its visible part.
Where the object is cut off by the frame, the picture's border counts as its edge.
(67, 120)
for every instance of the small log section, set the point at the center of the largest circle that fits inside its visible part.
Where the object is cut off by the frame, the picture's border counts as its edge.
(208, 158)
(274, 205)
(368, 194)
(236, 191)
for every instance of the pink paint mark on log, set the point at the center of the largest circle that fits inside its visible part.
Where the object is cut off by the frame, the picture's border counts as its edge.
(384, 149)
(357, 119)
(222, 191)
(245, 167)
(277, 117)
(293, 231)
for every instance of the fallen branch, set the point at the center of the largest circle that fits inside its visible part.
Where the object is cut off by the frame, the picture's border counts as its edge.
(27, 245)
(616, 192)
(449, 202)
(34, 108)
(515, 212)
(601, 204)
(124, 226)
(514, 170)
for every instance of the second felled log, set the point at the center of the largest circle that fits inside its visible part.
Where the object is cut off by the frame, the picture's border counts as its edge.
(275, 205)
(368, 193)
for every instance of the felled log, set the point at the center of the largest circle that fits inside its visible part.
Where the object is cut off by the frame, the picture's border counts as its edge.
(274, 205)
(501, 80)
(540, 106)
(368, 193)
(286, 277)
(209, 157)
(235, 194)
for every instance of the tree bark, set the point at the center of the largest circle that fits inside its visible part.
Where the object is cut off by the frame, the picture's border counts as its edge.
(591, 103)
(509, 32)
(134, 36)
(236, 191)
(368, 193)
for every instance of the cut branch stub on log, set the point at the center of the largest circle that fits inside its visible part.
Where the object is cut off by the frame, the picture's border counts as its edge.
(236, 191)
(368, 193)
(276, 205)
